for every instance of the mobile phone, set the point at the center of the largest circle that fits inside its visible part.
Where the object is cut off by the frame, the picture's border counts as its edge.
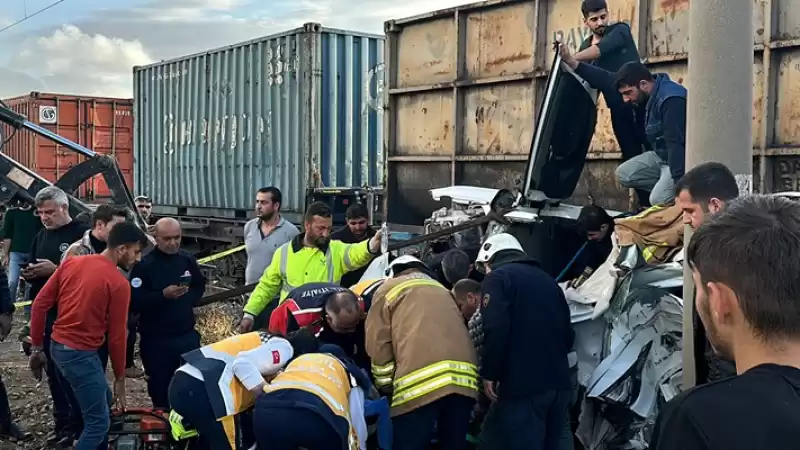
(24, 265)
(185, 280)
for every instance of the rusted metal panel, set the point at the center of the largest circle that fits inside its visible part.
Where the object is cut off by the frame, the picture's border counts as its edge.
(788, 19)
(599, 185)
(498, 119)
(786, 173)
(427, 53)
(499, 41)
(424, 124)
(787, 120)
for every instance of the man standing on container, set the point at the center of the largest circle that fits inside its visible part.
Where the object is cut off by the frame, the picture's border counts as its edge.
(20, 226)
(60, 230)
(166, 286)
(263, 235)
(357, 230)
(309, 257)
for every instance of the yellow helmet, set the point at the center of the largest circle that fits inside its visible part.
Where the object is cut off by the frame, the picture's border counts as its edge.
(366, 288)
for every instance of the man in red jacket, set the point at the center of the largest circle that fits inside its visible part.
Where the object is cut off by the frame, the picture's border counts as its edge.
(92, 298)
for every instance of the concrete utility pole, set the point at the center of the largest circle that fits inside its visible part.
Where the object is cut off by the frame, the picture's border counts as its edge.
(720, 104)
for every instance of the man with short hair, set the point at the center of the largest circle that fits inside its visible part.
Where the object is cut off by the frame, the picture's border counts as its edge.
(166, 286)
(145, 207)
(309, 257)
(265, 233)
(744, 264)
(597, 226)
(92, 298)
(657, 170)
(20, 226)
(357, 230)
(703, 192)
(60, 230)
(94, 240)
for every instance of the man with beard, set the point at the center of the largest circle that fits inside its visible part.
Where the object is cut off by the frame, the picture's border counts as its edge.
(703, 192)
(356, 230)
(60, 230)
(92, 298)
(145, 207)
(309, 257)
(748, 298)
(166, 286)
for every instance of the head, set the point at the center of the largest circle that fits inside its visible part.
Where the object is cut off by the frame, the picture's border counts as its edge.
(318, 224)
(743, 264)
(125, 243)
(405, 263)
(634, 82)
(497, 249)
(595, 222)
(52, 206)
(357, 219)
(144, 205)
(455, 265)
(303, 341)
(595, 15)
(168, 235)
(104, 218)
(467, 293)
(342, 312)
(268, 202)
(704, 191)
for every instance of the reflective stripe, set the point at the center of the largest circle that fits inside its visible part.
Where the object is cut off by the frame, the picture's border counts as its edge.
(386, 369)
(329, 264)
(455, 367)
(428, 379)
(397, 290)
(285, 285)
(179, 433)
(305, 386)
(432, 385)
(347, 263)
(383, 381)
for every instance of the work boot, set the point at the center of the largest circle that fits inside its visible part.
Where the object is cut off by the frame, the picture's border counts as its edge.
(15, 432)
(134, 372)
(7, 425)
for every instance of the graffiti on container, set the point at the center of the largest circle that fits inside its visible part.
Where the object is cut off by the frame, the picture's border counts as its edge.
(374, 87)
(787, 174)
(222, 133)
(169, 75)
(574, 36)
(280, 63)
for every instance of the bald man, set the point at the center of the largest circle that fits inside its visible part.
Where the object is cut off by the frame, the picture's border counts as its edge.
(165, 287)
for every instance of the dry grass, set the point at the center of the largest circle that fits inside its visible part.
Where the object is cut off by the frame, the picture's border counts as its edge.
(216, 322)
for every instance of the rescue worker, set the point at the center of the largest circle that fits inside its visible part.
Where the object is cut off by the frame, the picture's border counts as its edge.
(317, 403)
(421, 352)
(357, 230)
(219, 382)
(309, 257)
(166, 286)
(527, 336)
(333, 313)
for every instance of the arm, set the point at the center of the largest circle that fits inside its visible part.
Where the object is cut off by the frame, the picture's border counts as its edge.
(617, 37)
(355, 256)
(378, 340)
(599, 79)
(198, 286)
(268, 286)
(675, 429)
(119, 299)
(6, 302)
(142, 296)
(674, 113)
(251, 366)
(45, 300)
(496, 313)
(7, 232)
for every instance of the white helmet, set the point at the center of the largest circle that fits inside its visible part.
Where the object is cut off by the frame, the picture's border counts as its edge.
(402, 263)
(494, 244)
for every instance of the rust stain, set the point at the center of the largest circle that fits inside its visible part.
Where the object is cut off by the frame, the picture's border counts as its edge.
(507, 59)
(674, 5)
(429, 64)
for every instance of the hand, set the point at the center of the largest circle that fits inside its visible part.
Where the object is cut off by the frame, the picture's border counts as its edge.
(5, 326)
(42, 268)
(490, 389)
(151, 229)
(37, 363)
(119, 394)
(5, 260)
(175, 291)
(374, 244)
(566, 56)
(246, 324)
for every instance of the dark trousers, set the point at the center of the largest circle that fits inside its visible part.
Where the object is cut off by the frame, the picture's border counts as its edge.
(535, 422)
(130, 343)
(280, 427)
(189, 398)
(449, 417)
(5, 407)
(161, 357)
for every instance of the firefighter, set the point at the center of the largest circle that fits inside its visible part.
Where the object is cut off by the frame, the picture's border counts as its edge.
(421, 352)
(220, 381)
(317, 403)
(310, 257)
(527, 336)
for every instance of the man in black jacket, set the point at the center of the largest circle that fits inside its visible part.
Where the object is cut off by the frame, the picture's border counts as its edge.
(357, 230)
(166, 286)
(527, 337)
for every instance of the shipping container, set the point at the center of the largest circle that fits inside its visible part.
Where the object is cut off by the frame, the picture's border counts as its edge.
(295, 110)
(465, 85)
(104, 125)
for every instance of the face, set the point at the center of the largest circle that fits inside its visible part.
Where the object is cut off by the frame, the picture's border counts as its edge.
(128, 255)
(344, 322)
(144, 208)
(358, 226)
(636, 95)
(101, 229)
(318, 230)
(265, 207)
(694, 214)
(168, 238)
(717, 307)
(598, 235)
(467, 304)
(52, 214)
(597, 22)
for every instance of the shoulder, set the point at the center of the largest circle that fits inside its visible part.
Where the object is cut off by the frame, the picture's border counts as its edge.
(619, 27)
(250, 224)
(289, 226)
(339, 233)
(187, 256)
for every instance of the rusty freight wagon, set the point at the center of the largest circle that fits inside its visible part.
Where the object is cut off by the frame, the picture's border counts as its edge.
(464, 86)
(104, 125)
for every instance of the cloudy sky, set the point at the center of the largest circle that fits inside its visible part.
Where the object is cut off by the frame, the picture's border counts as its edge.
(88, 47)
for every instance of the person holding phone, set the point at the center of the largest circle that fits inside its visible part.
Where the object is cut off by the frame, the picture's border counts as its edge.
(165, 287)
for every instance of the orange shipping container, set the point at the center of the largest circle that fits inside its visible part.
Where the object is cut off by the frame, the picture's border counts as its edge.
(104, 125)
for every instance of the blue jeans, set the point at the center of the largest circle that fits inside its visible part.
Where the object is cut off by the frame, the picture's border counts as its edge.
(84, 373)
(14, 260)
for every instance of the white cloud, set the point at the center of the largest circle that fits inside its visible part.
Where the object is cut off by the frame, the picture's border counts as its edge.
(95, 55)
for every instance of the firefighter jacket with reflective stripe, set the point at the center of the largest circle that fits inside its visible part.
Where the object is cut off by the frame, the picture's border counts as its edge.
(325, 377)
(227, 394)
(294, 265)
(420, 348)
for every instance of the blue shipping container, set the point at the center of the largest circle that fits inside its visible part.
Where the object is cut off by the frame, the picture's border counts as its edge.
(294, 110)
